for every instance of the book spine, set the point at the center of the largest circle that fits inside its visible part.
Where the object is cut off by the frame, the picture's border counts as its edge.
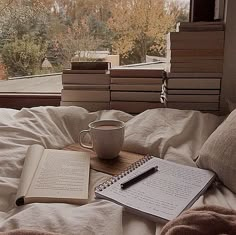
(195, 75)
(200, 69)
(141, 87)
(200, 29)
(85, 87)
(195, 45)
(201, 22)
(136, 73)
(192, 91)
(193, 98)
(90, 65)
(185, 83)
(200, 64)
(213, 66)
(196, 36)
(135, 96)
(195, 59)
(135, 80)
(84, 71)
(195, 53)
(85, 95)
(86, 79)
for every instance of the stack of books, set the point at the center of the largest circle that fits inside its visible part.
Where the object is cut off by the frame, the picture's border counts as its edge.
(194, 66)
(200, 26)
(195, 91)
(198, 52)
(135, 90)
(86, 84)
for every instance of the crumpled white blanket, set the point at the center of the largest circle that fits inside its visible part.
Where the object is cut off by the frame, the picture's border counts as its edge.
(171, 134)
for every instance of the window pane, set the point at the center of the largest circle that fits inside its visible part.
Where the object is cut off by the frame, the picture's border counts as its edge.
(40, 37)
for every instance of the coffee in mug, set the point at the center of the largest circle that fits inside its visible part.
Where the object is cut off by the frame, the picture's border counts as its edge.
(107, 138)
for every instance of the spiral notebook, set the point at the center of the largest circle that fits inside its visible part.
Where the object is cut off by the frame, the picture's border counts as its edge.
(163, 194)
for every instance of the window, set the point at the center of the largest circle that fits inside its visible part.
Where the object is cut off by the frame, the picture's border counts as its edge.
(42, 37)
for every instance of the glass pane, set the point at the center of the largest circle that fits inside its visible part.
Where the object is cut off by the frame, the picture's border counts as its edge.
(39, 37)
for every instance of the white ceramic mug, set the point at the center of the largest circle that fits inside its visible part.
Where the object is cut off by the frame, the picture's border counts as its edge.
(107, 138)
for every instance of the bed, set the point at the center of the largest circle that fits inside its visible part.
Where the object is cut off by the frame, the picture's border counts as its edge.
(175, 135)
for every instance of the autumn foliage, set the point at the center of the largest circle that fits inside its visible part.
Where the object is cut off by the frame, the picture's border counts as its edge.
(130, 28)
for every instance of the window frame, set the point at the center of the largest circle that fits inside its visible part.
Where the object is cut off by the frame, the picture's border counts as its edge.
(18, 100)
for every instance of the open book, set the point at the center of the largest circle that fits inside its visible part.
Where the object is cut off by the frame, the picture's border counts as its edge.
(51, 175)
(162, 195)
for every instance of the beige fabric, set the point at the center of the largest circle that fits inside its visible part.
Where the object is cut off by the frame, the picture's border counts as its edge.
(219, 152)
(175, 135)
(203, 221)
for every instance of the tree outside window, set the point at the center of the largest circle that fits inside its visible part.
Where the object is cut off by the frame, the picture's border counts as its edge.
(32, 30)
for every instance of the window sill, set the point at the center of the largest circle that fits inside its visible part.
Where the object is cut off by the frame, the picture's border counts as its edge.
(28, 100)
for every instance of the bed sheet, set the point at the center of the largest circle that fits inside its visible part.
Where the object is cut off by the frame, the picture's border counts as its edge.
(175, 135)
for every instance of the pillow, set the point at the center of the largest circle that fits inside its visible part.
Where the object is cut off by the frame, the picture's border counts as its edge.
(218, 153)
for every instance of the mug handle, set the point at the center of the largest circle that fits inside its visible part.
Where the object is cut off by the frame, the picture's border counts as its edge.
(81, 136)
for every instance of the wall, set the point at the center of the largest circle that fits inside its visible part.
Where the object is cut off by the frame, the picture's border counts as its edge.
(229, 74)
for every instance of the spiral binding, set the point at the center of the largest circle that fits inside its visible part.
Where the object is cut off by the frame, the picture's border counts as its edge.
(127, 171)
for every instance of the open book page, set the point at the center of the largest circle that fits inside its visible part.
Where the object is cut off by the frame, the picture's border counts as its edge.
(31, 162)
(164, 194)
(61, 176)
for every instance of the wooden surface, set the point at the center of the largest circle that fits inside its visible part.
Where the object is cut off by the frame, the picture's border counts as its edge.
(28, 100)
(113, 166)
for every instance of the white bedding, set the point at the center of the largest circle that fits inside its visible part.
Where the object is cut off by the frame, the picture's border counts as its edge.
(167, 133)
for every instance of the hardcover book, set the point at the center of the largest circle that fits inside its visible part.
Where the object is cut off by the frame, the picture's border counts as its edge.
(135, 87)
(147, 96)
(193, 83)
(102, 79)
(202, 53)
(195, 75)
(202, 106)
(192, 98)
(136, 80)
(190, 36)
(86, 65)
(136, 72)
(192, 92)
(51, 175)
(85, 95)
(71, 86)
(85, 71)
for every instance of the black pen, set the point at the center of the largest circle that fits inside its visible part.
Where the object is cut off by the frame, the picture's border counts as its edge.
(139, 177)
